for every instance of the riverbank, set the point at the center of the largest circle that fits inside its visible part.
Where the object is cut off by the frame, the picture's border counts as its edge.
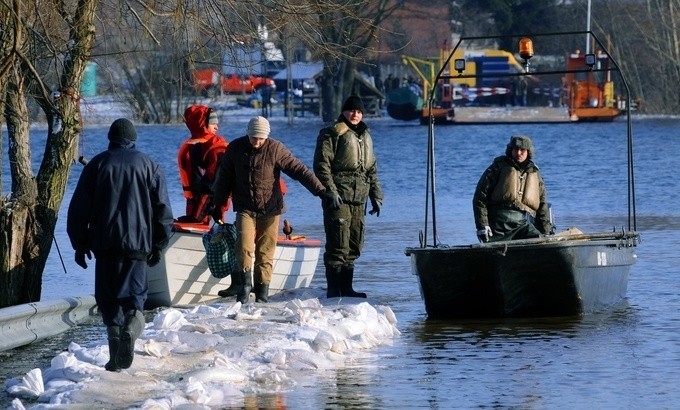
(105, 109)
(214, 355)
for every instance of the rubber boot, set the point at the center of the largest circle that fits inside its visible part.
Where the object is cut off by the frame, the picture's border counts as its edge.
(346, 278)
(113, 333)
(134, 325)
(261, 292)
(247, 285)
(333, 282)
(232, 290)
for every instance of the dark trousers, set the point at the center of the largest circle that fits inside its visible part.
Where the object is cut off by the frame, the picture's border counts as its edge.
(120, 286)
(344, 234)
(509, 224)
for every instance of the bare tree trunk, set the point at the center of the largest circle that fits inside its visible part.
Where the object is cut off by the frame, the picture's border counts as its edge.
(19, 247)
(336, 85)
(29, 214)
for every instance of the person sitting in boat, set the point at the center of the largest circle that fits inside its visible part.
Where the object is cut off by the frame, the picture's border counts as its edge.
(510, 199)
(197, 159)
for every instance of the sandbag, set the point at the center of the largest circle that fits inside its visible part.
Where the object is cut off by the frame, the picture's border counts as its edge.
(220, 244)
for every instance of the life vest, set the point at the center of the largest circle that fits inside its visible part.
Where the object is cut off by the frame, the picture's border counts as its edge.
(192, 162)
(519, 189)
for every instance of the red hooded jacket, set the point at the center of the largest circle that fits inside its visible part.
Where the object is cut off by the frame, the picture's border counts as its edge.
(198, 158)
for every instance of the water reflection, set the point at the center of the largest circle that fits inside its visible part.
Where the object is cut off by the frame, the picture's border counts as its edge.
(434, 332)
(525, 363)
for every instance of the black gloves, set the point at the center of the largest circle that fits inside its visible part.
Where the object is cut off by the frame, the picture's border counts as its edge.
(375, 204)
(80, 258)
(333, 199)
(154, 257)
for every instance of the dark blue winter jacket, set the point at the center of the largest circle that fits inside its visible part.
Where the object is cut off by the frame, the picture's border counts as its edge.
(120, 205)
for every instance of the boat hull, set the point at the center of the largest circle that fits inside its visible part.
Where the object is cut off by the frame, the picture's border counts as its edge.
(182, 277)
(530, 278)
(440, 116)
(600, 114)
(404, 104)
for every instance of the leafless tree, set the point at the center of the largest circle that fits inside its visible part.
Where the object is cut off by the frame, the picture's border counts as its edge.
(45, 49)
(647, 39)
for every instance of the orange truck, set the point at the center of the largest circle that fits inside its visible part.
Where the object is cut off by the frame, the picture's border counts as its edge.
(207, 81)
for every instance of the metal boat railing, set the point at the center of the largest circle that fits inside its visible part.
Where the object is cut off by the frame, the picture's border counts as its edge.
(623, 239)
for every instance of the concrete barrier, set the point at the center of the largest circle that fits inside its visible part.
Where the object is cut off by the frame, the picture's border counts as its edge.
(24, 324)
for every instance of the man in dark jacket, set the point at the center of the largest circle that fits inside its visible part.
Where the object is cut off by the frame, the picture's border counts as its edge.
(510, 198)
(249, 172)
(120, 211)
(345, 163)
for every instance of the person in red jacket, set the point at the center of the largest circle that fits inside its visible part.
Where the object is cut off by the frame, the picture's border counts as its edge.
(198, 158)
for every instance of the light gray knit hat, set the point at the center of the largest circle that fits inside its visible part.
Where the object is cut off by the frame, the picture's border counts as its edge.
(258, 127)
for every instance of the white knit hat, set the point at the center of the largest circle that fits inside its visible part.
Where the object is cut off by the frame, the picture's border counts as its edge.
(258, 127)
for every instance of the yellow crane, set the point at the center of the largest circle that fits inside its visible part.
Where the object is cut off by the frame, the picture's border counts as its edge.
(425, 69)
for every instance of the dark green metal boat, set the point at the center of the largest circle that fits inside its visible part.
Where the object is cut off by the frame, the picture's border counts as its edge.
(571, 273)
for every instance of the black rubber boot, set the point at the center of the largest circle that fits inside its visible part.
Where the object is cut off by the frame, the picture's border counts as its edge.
(261, 292)
(333, 282)
(134, 325)
(247, 285)
(232, 290)
(113, 333)
(346, 278)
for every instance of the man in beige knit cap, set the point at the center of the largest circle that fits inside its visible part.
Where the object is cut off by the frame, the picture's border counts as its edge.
(249, 172)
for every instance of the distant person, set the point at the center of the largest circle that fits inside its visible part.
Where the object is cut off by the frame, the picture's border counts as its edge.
(345, 162)
(197, 160)
(388, 83)
(267, 101)
(510, 199)
(249, 173)
(120, 211)
(521, 91)
(503, 89)
(396, 83)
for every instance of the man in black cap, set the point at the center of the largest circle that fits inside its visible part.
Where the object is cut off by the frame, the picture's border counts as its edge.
(345, 163)
(120, 211)
(510, 199)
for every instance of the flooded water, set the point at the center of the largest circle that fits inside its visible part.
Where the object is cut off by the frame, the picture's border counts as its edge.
(625, 358)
